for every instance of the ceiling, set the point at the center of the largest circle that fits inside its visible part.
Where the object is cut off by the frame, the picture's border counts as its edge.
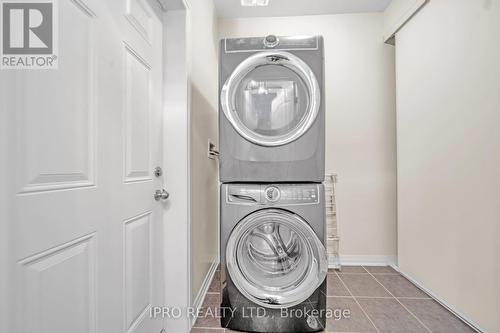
(233, 8)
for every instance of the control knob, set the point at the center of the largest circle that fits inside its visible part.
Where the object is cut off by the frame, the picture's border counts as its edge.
(272, 193)
(271, 41)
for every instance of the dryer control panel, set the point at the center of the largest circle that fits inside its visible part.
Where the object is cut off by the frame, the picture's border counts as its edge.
(270, 42)
(273, 194)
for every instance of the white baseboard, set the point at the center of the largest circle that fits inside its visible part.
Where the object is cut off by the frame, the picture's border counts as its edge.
(367, 260)
(200, 297)
(441, 301)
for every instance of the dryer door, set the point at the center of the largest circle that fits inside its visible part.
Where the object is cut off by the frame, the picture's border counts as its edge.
(275, 259)
(271, 98)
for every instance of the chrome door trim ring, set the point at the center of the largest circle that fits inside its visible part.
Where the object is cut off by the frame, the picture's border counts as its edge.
(250, 291)
(281, 58)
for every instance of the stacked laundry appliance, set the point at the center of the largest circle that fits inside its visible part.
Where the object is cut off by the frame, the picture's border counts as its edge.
(272, 157)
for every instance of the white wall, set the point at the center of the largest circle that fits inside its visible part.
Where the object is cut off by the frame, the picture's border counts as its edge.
(360, 127)
(204, 177)
(448, 111)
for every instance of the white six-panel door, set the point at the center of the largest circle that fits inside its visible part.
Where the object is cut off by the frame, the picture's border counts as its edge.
(84, 231)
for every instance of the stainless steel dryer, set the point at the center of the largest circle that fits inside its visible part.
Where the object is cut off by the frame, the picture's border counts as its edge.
(271, 112)
(273, 258)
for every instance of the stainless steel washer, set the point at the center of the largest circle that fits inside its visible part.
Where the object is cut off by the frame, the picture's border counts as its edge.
(273, 257)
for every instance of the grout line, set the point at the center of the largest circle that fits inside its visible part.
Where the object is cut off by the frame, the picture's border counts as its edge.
(474, 326)
(355, 300)
(203, 306)
(204, 329)
(369, 297)
(409, 297)
(381, 273)
(425, 326)
(208, 328)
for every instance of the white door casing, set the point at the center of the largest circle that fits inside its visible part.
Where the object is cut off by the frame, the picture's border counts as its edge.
(84, 249)
(176, 148)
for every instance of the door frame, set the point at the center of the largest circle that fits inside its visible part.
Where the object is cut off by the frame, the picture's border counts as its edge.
(6, 179)
(176, 161)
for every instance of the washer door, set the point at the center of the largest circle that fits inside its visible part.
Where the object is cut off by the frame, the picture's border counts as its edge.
(275, 259)
(271, 98)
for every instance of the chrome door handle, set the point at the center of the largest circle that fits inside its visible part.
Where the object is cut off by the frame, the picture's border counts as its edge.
(161, 195)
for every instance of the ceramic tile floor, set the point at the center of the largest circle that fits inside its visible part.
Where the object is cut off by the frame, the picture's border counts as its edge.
(379, 300)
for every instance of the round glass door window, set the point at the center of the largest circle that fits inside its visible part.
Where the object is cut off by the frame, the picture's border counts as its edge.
(271, 98)
(275, 259)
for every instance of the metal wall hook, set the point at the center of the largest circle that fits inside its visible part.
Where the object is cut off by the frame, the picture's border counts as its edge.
(213, 153)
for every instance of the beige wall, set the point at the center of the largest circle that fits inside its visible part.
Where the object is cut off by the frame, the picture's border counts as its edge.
(448, 99)
(204, 177)
(360, 127)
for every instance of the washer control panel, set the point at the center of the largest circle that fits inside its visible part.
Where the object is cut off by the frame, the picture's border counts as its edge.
(275, 194)
(299, 194)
